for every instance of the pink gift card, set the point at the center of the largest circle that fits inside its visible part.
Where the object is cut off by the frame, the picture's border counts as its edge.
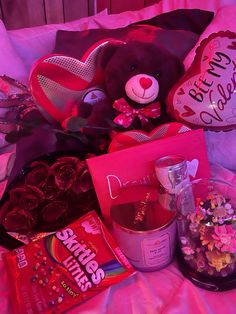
(135, 165)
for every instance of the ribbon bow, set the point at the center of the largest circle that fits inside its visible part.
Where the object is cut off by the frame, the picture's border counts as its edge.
(128, 113)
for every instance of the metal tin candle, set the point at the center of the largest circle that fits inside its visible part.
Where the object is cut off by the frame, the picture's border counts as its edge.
(172, 172)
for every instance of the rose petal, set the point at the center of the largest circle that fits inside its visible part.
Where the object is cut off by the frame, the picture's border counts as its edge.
(68, 159)
(38, 174)
(64, 161)
(27, 197)
(19, 220)
(84, 183)
(39, 163)
(65, 178)
(81, 165)
(54, 211)
(36, 190)
(50, 190)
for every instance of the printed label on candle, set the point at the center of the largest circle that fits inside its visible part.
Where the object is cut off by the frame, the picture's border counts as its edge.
(157, 251)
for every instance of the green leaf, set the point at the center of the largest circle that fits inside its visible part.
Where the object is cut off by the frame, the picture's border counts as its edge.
(75, 124)
(15, 136)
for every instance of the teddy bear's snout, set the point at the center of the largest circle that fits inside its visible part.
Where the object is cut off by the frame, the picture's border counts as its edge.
(142, 88)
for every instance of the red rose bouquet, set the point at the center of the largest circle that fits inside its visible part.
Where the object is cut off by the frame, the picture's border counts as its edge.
(48, 194)
(53, 190)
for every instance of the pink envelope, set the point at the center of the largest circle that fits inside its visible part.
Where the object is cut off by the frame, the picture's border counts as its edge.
(135, 165)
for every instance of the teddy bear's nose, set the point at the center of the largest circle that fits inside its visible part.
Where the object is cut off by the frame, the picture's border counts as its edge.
(145, 82)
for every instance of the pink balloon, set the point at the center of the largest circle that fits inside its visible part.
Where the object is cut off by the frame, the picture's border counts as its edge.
(206, 95)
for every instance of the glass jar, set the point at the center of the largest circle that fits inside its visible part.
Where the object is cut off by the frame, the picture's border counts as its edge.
(206, 223)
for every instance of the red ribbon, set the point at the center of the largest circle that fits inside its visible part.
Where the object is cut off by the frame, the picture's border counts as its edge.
(129, 113)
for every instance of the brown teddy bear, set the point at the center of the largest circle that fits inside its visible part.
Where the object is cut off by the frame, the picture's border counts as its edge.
(137, 78)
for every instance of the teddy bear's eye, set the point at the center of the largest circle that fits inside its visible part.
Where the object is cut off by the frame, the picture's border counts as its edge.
(133, 67)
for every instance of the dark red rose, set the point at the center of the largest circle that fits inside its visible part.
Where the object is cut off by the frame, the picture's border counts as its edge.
(54, 211)
(38, 174)
(81, 165)
(27, 197)
(64, 170)
(65, 160)
(84, 182)
(65, 177)
(50, 189)
(19, 220)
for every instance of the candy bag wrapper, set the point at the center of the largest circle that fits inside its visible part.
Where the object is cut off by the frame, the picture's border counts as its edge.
(63, 269)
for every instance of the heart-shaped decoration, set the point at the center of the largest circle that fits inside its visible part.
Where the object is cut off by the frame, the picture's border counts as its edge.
(209, 85)
(188, 111)
(192, 167)
(181, 91)
(232, 45)
(136, 137)
(57, 81)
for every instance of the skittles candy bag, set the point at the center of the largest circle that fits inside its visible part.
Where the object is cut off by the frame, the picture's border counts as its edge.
(68, 267)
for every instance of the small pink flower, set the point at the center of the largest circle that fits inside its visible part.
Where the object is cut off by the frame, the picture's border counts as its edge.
(193, 227)
(183, 240)
(195, 220)
(225, 238)
(187, 250)
(201, 262)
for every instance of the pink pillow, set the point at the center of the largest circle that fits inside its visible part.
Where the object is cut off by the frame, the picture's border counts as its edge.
(35, 42)
(224, 20)
(10, 63)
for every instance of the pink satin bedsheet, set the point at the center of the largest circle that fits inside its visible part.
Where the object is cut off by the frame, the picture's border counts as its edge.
(161, 292)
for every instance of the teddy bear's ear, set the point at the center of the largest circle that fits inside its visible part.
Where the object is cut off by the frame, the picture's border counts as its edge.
(107, 52)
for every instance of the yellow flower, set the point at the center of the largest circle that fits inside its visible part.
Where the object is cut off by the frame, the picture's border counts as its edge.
(218, 260)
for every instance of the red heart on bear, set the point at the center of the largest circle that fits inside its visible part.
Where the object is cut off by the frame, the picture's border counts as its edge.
(209, 85)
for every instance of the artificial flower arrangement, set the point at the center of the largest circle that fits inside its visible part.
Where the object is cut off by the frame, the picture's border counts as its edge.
(209, 245)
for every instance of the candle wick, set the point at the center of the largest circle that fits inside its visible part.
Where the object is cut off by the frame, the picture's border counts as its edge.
(142, 209)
